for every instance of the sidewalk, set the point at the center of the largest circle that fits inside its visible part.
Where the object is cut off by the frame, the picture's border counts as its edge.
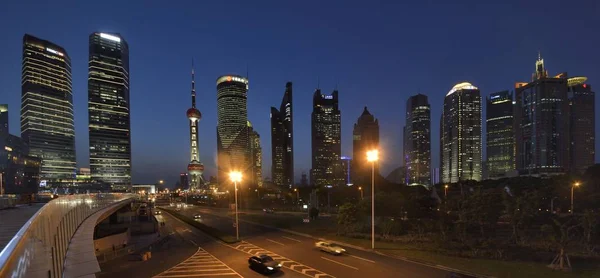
(12, 219)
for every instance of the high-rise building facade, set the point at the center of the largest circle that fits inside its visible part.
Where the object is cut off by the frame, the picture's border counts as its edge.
(326, 126)
(232, 130)
(500, 147)
(417, 141)
(365, 137)
(108, 108)
(47, 124)
(4, 119)
(282, 141)
(255, 156)
(195, 167)
(461, 134)
(583, 129)
(184, 180)
(541, 124)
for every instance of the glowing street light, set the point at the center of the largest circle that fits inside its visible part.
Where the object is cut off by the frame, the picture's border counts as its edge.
(373, 156)
(445, 191)
(576, 184)
(161, 181)
(236, 177)
(361, 192)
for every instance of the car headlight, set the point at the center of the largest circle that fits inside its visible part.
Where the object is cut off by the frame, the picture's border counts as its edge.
(278, 265)
(337, 251)
(269, 268)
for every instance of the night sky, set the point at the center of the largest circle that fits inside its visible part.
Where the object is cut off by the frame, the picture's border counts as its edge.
(378, 54)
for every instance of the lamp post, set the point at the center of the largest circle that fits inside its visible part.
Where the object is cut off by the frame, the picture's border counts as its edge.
(373, 156)
(573, 187)
(235, 178)
(297, 197)
(361, 192)
(446, 191)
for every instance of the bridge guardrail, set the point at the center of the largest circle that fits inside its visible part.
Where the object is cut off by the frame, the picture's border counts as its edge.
(39, 247)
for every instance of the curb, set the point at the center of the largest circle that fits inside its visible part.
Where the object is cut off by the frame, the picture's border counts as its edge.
(424, 263)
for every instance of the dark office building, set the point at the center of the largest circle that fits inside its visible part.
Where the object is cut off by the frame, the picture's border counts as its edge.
(20, 172)
(500, 147)
(417, 141)
(326, 126)
(47, 125)
(233, 146)
(347, 170)
(3, 118)
(461, 134)
(255, 156)
(583, 130)
(282, 141)
(365, 137)
(184, 181)
(541, 124)
(108, 107)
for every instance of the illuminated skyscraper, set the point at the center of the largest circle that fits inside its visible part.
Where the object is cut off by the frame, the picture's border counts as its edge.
(326, 141)
(255, 156)
(417, 141)
(365, 137)
(232, 130)
(3, 118)
(47, 124)
(108, 108)
(500, 137)
(583, 129)
(282, 138)
(195, 167)
(461, 134)
(541, 124)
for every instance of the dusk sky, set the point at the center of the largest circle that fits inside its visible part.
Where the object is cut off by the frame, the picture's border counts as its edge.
(378, 54)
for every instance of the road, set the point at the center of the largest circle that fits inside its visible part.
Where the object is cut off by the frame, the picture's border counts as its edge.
(299, 253)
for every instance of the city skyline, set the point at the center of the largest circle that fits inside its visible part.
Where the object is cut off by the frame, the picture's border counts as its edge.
(498, 72)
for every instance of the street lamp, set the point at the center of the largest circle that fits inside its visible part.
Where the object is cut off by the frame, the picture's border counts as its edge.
(235, 178)
(361, 192)
(161, 181)
(446, 191)
(573, 187)
(373, 156)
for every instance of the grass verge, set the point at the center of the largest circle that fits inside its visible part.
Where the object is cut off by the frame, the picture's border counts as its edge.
(216, 233)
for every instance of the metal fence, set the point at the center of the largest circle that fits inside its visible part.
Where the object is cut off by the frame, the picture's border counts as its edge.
(39, 247)
(8, 201)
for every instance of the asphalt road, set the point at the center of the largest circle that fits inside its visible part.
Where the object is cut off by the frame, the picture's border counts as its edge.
(298, 253)
(187, 252)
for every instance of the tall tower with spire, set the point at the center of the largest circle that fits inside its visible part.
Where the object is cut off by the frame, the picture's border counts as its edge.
(195, 168)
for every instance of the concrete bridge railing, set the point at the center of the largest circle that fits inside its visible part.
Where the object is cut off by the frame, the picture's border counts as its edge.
(40, 246)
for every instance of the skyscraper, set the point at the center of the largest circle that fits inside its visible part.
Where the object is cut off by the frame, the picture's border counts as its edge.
(583, 129)
(365, 137)
(108, 107)
(417, 141)
(184, 181)
(326, 126)
(47, 124)
(232, 130)
(255, 156)
(3, 118)
(282, 138)
(461, 134)
(195, 167)
(541, 124)
(500, 137)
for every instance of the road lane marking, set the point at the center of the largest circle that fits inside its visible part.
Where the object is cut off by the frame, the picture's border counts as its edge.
(293, 265)
(349, 266)
(276, 242)
(194, 243)
(201, 264)
(291, 239)
(361, 258)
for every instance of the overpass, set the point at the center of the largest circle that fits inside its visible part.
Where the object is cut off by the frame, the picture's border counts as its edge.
(57, 241)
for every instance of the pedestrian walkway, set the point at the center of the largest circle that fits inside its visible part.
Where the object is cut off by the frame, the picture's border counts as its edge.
(12, 219)
(201, 264)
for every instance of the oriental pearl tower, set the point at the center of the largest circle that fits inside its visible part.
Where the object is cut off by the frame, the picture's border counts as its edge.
(195, 168)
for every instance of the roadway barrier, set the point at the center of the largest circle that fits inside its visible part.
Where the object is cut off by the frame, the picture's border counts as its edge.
(39, 247)
(8, 201)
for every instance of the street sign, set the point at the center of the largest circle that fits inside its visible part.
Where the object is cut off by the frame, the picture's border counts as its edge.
(306, 220)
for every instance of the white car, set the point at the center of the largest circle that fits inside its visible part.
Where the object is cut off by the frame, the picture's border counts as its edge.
(330, 247)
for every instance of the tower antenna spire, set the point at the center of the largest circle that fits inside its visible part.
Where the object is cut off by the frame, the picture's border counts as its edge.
(193, 86)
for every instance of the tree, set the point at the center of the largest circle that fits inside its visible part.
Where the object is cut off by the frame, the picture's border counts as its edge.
(589, 223)
(560, 232)
(350, 218)
(521, 211)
